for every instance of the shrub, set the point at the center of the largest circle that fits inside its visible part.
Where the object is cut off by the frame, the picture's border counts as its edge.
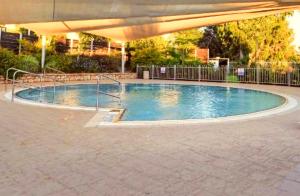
(7, 59)
(29, 47)
(72, 64)
(66, 63)
(60, 62)
(232, 78)
(108, 63)
(85, 64)
(29, 63)
(99, 63)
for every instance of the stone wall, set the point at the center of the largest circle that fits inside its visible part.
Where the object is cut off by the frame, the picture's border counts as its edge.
(74, 77)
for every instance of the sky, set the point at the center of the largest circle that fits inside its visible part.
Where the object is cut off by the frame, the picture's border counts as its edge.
(294, 23)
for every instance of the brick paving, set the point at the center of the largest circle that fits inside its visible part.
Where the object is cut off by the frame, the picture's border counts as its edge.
(47, 151)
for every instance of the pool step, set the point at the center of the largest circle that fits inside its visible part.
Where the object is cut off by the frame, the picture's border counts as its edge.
(106, 116)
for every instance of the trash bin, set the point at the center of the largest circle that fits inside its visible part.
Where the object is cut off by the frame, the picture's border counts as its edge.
(146, 75)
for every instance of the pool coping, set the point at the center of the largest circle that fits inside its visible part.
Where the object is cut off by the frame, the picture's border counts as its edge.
(289, 104)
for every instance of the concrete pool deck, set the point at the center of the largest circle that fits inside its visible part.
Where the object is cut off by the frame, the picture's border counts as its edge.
(47, 151)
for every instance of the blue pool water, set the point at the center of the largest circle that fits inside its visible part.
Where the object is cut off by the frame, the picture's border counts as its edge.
(162, 101)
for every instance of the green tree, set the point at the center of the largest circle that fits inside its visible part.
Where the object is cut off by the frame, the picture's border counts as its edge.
(177, 48)
(262, 39)
(186, 42)
(149, 51)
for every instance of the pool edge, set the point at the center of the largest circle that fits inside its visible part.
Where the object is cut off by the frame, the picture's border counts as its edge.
(290, 103)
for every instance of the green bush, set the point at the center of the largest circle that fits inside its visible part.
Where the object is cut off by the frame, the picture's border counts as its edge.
(108, 63)
(25, 62)
(28, 63)
(78, 64)
(7, 59)
(99, 63)
(60, 62)
(66, 63)
(85, 64)
(29, 47)
(232, 78)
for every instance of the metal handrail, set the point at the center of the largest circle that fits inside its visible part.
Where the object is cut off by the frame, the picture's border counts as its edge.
(28, 86)
(7, 78)
(14, 79)
(108, 94)
(107, 77)
(15, 82)
(98, 92)
(58, 71)
(14, 69)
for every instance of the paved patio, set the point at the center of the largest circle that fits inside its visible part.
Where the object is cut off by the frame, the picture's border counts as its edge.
(47, 151)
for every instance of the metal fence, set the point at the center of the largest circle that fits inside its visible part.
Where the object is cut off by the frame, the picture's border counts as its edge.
(239, 75)
(11, 40)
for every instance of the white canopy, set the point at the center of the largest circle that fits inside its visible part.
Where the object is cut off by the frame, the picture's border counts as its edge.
(126, 20)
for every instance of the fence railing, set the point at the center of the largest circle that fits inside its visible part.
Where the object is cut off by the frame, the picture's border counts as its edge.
(241, 75)
(11, 40)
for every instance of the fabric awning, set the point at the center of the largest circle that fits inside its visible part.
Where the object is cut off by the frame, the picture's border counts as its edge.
(127, 20)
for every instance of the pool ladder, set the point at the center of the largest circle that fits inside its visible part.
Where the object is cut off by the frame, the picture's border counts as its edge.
(99, 92)
(19, 83)
(59, 73)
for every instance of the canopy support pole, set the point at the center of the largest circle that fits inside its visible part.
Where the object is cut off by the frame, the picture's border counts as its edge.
(108, 48)
(71, 45)
(0, 35)
(92, 47)
(43, 52)
(20, 43)
(123, 57)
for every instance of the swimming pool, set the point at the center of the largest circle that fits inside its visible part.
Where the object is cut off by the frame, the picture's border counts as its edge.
(151, 102)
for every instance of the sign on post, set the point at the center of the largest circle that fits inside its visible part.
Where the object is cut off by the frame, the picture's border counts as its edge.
(162, 70)
(215, 63)
(241, 71)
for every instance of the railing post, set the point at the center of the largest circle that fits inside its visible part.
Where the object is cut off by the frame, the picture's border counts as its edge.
(227, 70)
(54, 84)
(152, 72)
(6, 78)
(257, 75)
(13, 91)
(289, 78)
(199, 73)
(137, 71)
(97, 94)
(41, 88)
(13, 87)
(175, 72)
